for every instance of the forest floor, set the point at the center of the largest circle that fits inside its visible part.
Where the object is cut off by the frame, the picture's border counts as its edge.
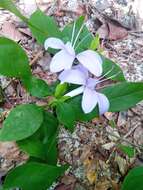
(93, 149)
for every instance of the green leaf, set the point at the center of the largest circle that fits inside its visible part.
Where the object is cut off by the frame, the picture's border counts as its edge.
(52, 149)
(128, 150)
(33, 147)
(43, 143)
(66, 115)
(45, 26)
(124, 95)
(13, 60)
(50, 126)
(37, 87)
(109, 65)
(134, 179)
(95, 43)
(121, 96)
(22, 122)
(85, 37)
(79, 114)
(9, 5)
(33, 176)
(60, 90)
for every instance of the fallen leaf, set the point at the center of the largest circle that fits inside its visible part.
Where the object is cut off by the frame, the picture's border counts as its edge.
(91, 176)
(122, 164)
(138, 135)
(10, 31)
(64, 187)
(112, 32)
(108, 146)
(68, 180)
(67, 183)
(103, 185)
(25, 31)
(103, 31)
(90, 165)
(113, 133)
(116, 32)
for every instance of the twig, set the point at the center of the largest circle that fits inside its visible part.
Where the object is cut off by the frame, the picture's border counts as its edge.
(34, 60)
(125, 140)
(130, 132)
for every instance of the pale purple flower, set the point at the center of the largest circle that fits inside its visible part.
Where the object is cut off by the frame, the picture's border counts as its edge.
(79, 75)
(64, 59)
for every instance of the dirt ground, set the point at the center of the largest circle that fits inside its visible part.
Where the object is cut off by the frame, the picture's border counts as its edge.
(97, 163)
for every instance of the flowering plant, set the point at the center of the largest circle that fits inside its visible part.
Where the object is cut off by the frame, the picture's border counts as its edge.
(80, 94)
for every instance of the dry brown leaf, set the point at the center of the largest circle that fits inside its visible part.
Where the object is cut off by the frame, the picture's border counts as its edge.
(116, 32)
(10, 31)
(103, 31)
(68, 180)
(64, 187)
(138, 136)
(112, 32)
(25, 31)
(67, 183)
(113, 133)
(108, 146)
(122, 164)
(91, 176)
(103, 185)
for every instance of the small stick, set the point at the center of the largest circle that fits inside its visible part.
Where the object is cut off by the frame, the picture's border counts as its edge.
(34, 60)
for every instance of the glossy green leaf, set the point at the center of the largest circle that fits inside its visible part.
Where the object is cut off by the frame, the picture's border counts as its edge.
(124, 95)
(95, 43)
(79, 114)
(33, 176)
(52, 149)
(45, 26)
(33, 147)
(67, 31)
(128, 150)
(43, 143)
(60, 90)
(66, 115)
(13, 60)
(85, 37)
(134, 179)
(9, 5)
(37, 87)
(114, 69)
(121, 96)
(50, 127)
(22, 122)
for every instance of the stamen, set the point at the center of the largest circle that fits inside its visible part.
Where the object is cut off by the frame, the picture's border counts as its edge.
(82, 41)
(73, 32)
(113, 66)
(78, 35)
(110, 77)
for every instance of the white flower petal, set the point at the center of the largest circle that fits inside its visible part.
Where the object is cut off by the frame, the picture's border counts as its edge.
(75, 92)
(68, 47)
(54, 43)
(92, 61)
(82, 69)
(89, 100)
(103, 103)
(62, 60)
(73, 76)
(91, 83)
